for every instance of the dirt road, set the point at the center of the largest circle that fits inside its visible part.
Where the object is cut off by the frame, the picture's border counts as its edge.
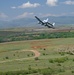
(37, 54)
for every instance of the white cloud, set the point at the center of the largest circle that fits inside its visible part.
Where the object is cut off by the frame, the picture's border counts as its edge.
(29, 5)
(13, 7)
(52, 2)
(69, 2)
(54, 15)
(2, 15)
(49, 14)
(25, 14)
(72, 13)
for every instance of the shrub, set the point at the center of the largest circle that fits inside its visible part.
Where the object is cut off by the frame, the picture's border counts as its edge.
(29, 68)
(73, 59)
(36, 64)
(32, 54)
(47, 72)
(62, 53)
(28, 55)
(61, 70)
(44, 49)
(61, 60)
(58, 64)
(44, 54)
(7, 57)
(13, 54)
(72, 71)
(51, 61)
(36, 58)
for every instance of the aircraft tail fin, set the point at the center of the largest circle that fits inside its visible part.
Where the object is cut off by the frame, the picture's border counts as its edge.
(53, 24)
(46, 20)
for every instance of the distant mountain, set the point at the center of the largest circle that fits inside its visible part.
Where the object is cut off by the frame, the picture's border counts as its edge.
(28, 22)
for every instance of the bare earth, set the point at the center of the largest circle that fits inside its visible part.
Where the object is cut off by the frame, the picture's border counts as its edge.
(37, 54)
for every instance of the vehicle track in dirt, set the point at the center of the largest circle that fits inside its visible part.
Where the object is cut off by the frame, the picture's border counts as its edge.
(37, 54)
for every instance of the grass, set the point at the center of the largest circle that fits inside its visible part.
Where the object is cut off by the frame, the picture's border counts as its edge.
(14, 46)
(10, 55)
(49, 50)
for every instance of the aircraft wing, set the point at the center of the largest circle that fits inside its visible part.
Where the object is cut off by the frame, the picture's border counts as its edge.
(49, 23)
(39, 20)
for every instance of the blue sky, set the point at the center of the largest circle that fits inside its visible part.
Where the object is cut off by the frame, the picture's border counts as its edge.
(15, 9)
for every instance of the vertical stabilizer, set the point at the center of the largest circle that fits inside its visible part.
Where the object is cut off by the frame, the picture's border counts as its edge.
(53, 24)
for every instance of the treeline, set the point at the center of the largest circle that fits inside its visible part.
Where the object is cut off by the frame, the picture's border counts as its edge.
(58, 35)
(19, 36)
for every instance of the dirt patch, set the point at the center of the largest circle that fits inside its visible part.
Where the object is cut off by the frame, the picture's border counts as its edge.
(38, 47)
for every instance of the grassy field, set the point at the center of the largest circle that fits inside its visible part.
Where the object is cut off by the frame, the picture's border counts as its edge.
(57, 54)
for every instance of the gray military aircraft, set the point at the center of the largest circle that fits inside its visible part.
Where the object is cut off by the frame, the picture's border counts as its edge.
(45, 23)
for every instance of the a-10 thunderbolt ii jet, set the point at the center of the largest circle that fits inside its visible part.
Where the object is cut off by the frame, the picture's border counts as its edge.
(45, 23)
